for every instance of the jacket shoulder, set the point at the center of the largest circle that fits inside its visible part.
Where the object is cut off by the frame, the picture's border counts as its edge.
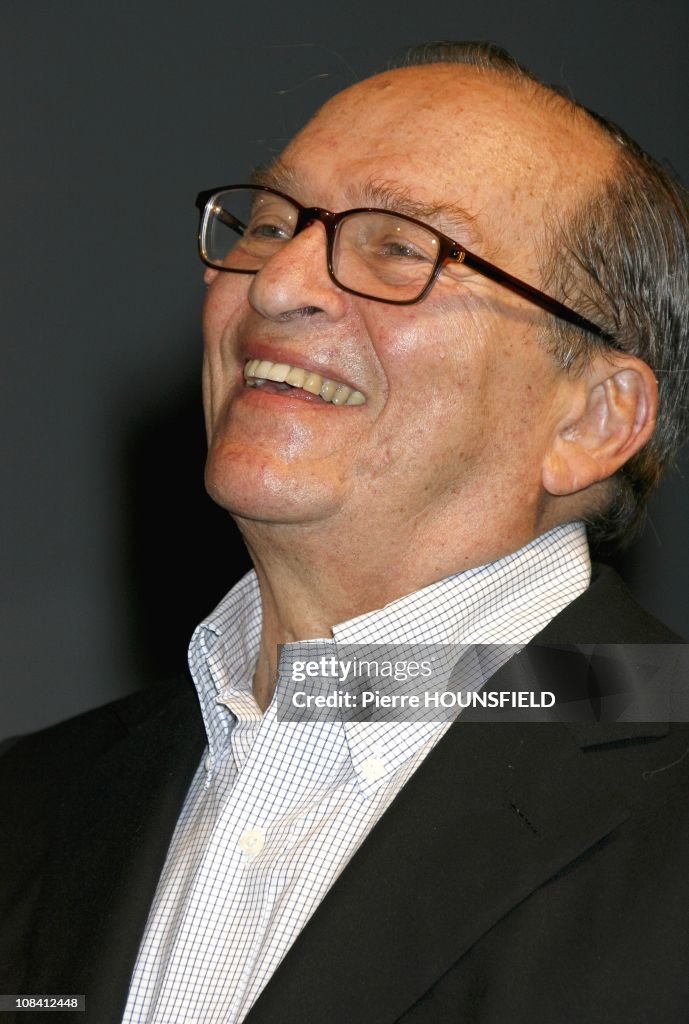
(36, 768)
(607, 613)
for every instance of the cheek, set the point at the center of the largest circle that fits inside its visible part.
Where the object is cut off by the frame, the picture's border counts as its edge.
(224, 304)
(443, 332)
(223, 308)
(432, 419)
(214, 376)
(435, 362)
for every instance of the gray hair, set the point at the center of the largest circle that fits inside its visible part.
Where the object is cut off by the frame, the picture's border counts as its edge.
(622, 259)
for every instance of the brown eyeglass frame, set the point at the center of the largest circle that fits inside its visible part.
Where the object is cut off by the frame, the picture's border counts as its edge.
(448, 249)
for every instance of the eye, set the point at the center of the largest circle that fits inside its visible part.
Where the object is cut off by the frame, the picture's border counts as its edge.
(393, 238)
(270, 219)
(268, 230)
(397, 248)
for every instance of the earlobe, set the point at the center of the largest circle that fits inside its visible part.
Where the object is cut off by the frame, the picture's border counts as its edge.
(612, 416)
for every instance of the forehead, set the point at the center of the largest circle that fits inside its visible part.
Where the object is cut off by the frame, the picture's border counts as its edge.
(455, 133)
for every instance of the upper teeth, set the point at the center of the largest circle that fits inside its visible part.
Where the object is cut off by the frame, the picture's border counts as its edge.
(257, 370)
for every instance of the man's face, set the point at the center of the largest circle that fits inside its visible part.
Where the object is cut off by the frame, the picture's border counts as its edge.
(461, 401)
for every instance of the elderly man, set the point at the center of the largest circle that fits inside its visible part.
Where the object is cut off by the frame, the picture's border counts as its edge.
(436, 332)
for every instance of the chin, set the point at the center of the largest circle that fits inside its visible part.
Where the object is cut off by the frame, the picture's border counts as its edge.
(265, 489)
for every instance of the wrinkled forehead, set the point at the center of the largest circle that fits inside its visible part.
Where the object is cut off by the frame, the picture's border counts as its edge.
(444, 127)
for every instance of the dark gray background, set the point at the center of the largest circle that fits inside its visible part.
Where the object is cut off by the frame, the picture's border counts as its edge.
(114, 116)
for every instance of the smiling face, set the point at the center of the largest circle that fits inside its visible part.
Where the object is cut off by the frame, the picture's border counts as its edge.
(328, 409)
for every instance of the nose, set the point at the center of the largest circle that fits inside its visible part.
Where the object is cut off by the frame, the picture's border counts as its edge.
(295, 281)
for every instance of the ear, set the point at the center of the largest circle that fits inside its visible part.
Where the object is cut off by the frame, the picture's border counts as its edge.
(610, 415)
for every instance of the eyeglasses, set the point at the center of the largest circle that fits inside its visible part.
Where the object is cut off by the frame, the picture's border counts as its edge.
(377, 254)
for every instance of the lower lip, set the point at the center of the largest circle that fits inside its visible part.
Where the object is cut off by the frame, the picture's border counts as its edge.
(274, 395)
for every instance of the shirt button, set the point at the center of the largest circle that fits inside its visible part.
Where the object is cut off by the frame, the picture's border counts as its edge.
(373, 769)
(252, 842)
(207, 763)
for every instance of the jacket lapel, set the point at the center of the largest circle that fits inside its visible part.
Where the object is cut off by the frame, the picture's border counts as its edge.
(492, 813)
(106, 857)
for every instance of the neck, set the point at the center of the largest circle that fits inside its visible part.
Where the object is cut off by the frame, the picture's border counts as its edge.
(313, 577)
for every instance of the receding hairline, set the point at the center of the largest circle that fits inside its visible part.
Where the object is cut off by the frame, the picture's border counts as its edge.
(569, 115)
(551, 99)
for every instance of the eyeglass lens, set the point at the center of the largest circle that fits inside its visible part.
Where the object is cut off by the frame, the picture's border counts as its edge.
(374, 253)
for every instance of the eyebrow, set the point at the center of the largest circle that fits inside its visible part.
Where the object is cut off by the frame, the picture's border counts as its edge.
(278, 175)
(391, 195)
(381, 194)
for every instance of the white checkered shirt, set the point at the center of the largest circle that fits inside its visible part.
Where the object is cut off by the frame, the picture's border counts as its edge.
(277, 809)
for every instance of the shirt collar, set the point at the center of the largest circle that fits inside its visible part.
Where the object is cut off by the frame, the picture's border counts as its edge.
(504, 602)
(507, 601)
(222, 660)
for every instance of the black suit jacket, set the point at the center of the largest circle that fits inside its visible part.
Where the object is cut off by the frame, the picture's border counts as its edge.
(526, 871)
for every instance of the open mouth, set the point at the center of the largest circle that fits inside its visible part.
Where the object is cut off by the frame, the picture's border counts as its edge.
(260, 373)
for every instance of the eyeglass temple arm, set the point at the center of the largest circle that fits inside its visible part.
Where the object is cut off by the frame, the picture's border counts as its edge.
(230, 220)
(536, 296)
